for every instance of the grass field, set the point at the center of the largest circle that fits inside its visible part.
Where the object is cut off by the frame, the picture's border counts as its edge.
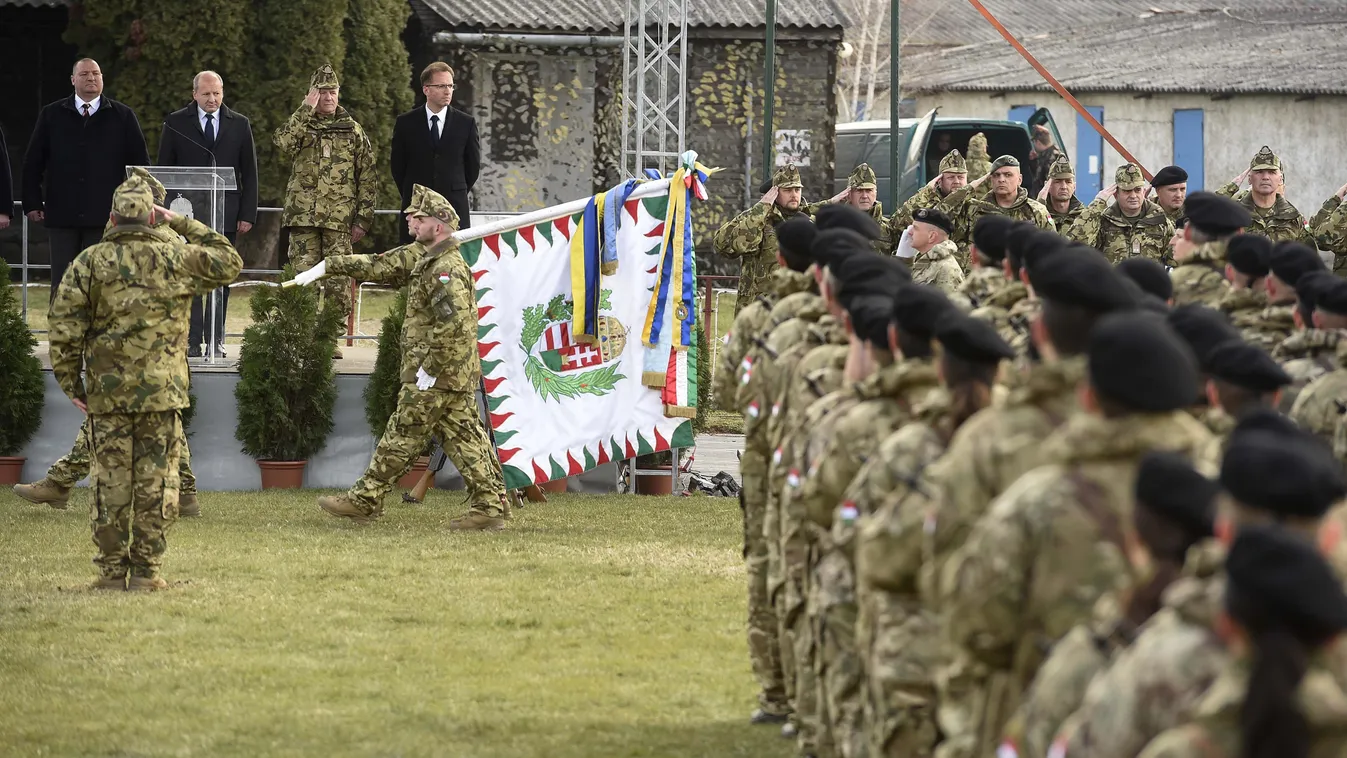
(593, 626)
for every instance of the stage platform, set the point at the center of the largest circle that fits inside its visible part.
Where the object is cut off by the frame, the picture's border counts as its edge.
(216, 458)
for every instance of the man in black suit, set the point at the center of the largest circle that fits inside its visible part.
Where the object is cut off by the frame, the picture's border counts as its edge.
(203, 132)
(437, 146)
(77, 156)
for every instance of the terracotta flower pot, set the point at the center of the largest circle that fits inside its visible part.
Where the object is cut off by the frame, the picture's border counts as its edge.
(11, 469)
(652, 483)
(554, 486)
(282, 475)
(413, 476)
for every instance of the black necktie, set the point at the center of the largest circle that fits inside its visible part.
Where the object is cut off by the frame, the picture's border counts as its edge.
(210, 129)
(86, 110)
(435, 131)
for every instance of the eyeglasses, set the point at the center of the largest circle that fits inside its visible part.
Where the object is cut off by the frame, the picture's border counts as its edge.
(440, 86)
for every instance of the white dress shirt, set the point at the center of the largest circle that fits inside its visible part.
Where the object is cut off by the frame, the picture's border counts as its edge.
(439, 126)
(201, 121)
(93, 105)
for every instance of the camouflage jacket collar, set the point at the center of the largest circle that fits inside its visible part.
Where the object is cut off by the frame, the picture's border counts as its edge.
(1243, 299)
(1308, 343)
(123, 232)
(786, 282)
(1173, 215)
(1279, 317)
(989, 201)
(1218, 422)
(339, 121)
(1150, 215)
(908, 381)
(1051, 386)
(1008, 295)
(1281, 210)
(1087, 437)
(944, 250)
(1206, 254)
(1196, 596)
(829, 330)
(1073, 207)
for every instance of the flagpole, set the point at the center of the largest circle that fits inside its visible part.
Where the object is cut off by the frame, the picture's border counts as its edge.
(645, 189)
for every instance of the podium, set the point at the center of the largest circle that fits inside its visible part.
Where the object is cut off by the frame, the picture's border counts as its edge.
(199, 192)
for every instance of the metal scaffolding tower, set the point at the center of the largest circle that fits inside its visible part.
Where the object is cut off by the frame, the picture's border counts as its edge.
(654, 85)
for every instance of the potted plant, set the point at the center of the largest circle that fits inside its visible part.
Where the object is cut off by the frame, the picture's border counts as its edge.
(21, 390)
(385, 382)
(287, 385)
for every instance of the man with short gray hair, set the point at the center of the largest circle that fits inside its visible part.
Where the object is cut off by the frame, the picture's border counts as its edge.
(209, 133)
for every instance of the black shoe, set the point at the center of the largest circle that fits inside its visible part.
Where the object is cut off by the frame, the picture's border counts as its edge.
(193, 352)
(763, 717)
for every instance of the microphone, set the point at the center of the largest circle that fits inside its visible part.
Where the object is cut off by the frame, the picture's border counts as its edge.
(191, 141)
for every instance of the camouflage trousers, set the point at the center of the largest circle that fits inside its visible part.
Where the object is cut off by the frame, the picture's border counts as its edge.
(901, 644)
(452, 417)
(810, 712)
(839, 674)
(74, 465)
(135, 474)
(764, 644)
(309, 245)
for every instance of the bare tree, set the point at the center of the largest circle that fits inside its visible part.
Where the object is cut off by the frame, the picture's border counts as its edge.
(863, 80)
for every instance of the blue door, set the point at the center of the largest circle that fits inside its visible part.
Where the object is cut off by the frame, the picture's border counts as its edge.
(1089, 163)
(1021, 113)
(1189, 146)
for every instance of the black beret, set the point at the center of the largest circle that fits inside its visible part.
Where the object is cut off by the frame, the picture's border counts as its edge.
(971, 339)
(1017, 237)
(1148, 302)
(1169, 175)
(1283, 472)
(1266, 420)
(1202, 328)
(1279, 580)
(1332, 297)
(1243, 365)
(866, 275)
(1168, 484)
(1080, 277)
(1137, 361)
(1248, 254)
(831, 245)
(870, 318)
(1215, 214)
(844, 216)
(935, 217)
(795, 236)
(989, 235)
(1291, 260)
(1310, 284)
(1150, 274)
(918, 308)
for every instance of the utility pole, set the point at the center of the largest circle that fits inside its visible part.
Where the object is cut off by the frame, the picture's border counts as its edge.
(769, 93)
(896, 153)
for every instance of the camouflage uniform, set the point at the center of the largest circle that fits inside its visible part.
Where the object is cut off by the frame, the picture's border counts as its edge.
(120, 314)
(1319, 407)
(1046, 552)
(1280, 222)
(1010, 310)
(863, 177)
(1119, 236)
(1061, 169)
(1200, 278)
(938, 268)
(1330, 231)
(1277, 322)
(978, 287)
(979, 163)
(926, 197)
(965, 206)
(1305, 356)
(884, 402)
(439, 336)
(1244, 307)
(751, 237)
(332, 185)
(751, 324)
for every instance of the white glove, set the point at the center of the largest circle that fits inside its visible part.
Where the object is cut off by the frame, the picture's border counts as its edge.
(310, 276)
(424, 381)
(905, 249)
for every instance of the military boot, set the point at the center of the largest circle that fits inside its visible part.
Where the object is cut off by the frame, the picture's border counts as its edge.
(477, 522)
(343, 506)
(117, 583)
(761, 716)
(188, 505)
(44, 492)
(146, 584)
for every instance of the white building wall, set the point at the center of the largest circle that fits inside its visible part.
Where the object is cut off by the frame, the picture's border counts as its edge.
(1307, 134)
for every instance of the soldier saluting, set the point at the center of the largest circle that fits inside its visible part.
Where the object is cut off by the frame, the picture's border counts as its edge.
(751, 236)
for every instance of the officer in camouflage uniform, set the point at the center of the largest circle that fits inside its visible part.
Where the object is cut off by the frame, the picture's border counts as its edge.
(925, 246)
(1161, 679)
(861, 193)
(751, 236)
(897, 636)
(1008, 307)
(979, 163)
(905, 381)
(329, 200)
(986, 272)
(1171, 190)
(1246, 299)
(1059, 195)
(1287, 263)
(1006, 198)
(54, 489)
(1133, 226)
(440, 368)
(1053, 544)
(1310, 351)
(953, 176)
(1199, 248)
(1272, 215)
(120, 317)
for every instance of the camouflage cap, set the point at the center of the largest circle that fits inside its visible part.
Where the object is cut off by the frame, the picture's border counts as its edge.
(1265, 160)
(953, 163)
(324, 78)
(1061, 169)
(1005, 160)
(133, 200)
(428, 202)
(1129, 177)
(157, 188)
(862, 177)
(787, 177)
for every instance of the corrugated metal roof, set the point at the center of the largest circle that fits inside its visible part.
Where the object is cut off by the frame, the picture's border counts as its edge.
(37, 3)
(1288, 50)
(610, 15)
